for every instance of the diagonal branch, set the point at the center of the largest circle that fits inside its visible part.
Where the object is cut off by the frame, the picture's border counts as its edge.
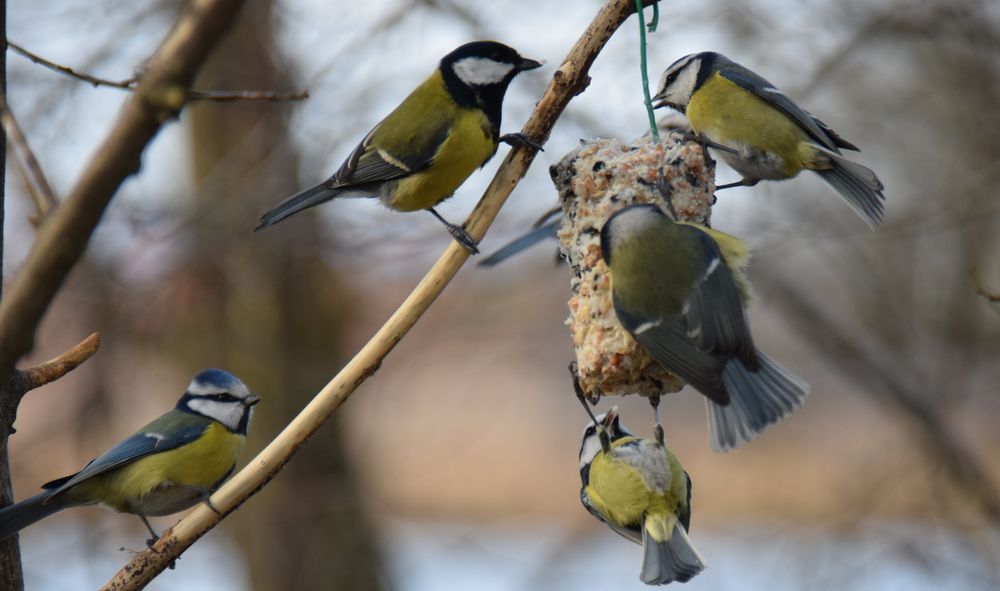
(38, 185)
(569, 80)
(63, 238)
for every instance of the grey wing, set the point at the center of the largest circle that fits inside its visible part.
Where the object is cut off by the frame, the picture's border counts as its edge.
(369, 164)
(815, 128)
(146, 442)
(716, 318)
(633, 534)
(667, 341)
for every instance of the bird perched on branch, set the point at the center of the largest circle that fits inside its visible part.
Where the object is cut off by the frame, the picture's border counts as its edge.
(680, 289)
(424, 150)
(167, 466)
(761, 133)
(641, 491)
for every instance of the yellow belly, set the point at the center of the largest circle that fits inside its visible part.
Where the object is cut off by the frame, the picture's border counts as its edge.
(770, 143)
(469, 145)
(167, 482)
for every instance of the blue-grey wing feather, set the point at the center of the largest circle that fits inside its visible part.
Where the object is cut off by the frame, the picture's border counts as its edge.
(184, 428)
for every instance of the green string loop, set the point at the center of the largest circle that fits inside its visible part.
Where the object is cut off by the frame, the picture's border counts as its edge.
(642, 62)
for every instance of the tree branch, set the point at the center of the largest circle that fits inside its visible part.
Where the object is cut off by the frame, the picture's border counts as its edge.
(38, 185)
(53, 369)
(568, 81)
(63, 238)
(130, 84)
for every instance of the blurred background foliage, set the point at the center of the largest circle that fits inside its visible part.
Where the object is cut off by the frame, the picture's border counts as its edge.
(456, 464)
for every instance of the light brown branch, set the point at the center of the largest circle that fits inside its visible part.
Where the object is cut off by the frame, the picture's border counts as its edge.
(130, 84)
(569, 79)
(53, 369)
(38, 185)
(62, 240)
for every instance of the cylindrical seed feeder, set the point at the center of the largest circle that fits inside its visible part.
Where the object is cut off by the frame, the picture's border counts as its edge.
(594, 181)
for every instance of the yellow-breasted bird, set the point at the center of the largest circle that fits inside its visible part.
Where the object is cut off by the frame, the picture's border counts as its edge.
(680, 289)
(640, 490)
(426, 147)
(167, 466)
(762, 133)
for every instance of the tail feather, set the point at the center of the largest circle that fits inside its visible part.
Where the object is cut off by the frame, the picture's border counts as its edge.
(20, 515)
(669, 560)
(858, 185)
(757, 400)
(296, 203)
(549, 230)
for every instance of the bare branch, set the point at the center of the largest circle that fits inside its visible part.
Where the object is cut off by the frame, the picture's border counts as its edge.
(62, 240)
(127, 84)
(38, 185)
(52, 370)
(569, 80)
(245, 95)
(132, 83)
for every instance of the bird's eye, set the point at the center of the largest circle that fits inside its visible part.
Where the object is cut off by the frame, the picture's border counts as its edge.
(225, 397)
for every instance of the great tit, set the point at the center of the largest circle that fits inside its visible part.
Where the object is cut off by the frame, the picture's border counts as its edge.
(423, 150)
(761, 133)
(167, 466)
(641, 491)
(680, 289)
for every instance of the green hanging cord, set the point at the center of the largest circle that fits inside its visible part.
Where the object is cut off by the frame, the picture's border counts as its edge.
(642, 62)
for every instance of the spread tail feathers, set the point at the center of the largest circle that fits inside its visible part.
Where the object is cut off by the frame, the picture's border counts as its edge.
(296, 203)
(669, 560)
(757, 400)
(20, 515)
(858, 185)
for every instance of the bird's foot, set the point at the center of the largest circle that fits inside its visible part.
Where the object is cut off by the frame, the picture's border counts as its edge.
(519, 140)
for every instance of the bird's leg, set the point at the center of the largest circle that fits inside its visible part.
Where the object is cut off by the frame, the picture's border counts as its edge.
(204, 495)
(602, 433)
(697, 138)
(458, 233)
(519, 140)
(667, 192)
(654, 401)
(546, 216)
(739, 183)
(152, 532)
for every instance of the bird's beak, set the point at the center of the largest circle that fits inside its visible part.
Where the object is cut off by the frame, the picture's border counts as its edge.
(528, 64)
(659, 102)
(610, 417)
(251, 400)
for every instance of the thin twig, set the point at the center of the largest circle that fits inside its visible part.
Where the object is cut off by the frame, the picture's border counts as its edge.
(246, 95)
(130, 84)
(38, 185)
(127, 84)
(569, 80)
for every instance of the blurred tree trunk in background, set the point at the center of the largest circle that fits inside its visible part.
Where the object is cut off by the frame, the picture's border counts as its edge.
(10, 555)
(269, 309)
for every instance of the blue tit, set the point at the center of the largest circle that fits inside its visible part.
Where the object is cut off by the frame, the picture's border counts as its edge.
(167, 466)
(424, 150)
(640, 490)
(761, 133)
(680, 290)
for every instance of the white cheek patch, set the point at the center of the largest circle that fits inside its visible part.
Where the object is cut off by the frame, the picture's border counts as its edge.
(589, 450)
(227, 413)
(481, 71)
(680, 90)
